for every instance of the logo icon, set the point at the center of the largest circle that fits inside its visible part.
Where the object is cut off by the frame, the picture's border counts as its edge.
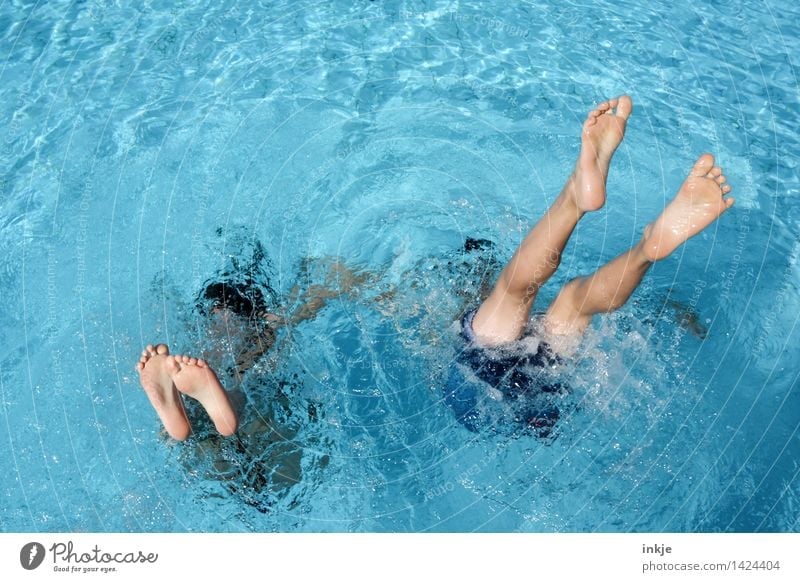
(31, 555)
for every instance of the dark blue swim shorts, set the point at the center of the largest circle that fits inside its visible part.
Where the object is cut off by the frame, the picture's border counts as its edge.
(514, 374)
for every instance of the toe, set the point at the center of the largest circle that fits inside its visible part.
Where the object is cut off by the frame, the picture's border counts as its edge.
(192, 361)
(201, 363)
(703, 165)
(729, 202)
(162, 349)
(172, 364)
(624, 107)
(726, 188)
(721, 180)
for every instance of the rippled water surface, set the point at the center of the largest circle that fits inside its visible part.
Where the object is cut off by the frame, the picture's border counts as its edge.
(148, 147)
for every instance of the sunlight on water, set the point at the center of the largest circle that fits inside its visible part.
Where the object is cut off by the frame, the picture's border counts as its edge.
(394, 156)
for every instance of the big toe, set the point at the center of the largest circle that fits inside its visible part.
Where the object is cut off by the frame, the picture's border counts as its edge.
(703, 165)
(624, 107)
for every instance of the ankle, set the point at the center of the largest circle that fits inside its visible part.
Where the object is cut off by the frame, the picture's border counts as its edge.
(568, 199)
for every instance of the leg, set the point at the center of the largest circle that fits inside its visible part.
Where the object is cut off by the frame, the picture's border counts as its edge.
(165, 377)
(504, 314)
(606, 290)
(698, 203)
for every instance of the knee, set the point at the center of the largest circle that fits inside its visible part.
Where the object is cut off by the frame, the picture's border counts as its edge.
(569, 297)
(589, 293)
(573, 294)
(574, 288)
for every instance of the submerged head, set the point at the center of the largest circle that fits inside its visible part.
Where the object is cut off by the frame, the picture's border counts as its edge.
(246, 301)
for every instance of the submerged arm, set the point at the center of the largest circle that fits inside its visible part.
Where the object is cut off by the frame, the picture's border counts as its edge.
(339, 280)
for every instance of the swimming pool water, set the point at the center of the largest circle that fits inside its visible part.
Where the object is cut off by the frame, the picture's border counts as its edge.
(147, 147)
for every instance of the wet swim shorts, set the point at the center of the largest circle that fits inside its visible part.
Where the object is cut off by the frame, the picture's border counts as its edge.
(511, 373)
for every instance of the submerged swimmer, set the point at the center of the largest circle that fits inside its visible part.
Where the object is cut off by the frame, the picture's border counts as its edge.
(242, 308)
(502, 318)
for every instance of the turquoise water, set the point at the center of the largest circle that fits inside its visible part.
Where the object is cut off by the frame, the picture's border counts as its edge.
(146, 148)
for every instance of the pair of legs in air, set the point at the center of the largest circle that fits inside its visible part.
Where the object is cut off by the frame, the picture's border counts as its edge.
(503, 316)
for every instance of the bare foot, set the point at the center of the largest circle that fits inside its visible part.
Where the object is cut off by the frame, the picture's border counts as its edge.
(156, 368)
(163, 376)
(698, 203)
(602, 133)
